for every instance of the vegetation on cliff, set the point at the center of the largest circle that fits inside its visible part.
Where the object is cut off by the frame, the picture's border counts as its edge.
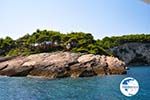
(49, 41)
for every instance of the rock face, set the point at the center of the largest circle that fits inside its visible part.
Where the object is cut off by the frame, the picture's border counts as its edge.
(133, 53)
(61, 64)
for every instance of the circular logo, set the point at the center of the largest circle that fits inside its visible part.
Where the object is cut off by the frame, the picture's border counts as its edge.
(129, 86)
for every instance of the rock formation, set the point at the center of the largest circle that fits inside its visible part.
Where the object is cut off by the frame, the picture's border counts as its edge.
(61, 64)
(133, 53)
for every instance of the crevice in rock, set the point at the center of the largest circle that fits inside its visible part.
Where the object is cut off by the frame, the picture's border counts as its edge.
(4, 67)
(87, 73)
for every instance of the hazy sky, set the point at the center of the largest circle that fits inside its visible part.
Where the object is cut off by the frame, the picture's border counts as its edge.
(99, 17)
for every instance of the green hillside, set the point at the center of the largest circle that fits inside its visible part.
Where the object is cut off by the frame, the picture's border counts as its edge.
(50, 41)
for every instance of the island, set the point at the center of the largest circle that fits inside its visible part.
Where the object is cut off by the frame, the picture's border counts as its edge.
(51, 54)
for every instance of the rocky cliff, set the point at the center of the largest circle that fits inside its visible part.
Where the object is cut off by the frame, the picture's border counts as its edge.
(61, 64)
(133, 53)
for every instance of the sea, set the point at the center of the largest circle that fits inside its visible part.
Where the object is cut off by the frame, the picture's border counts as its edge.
(85, 88)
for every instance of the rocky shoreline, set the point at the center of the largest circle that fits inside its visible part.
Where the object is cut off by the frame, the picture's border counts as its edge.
(61, 64)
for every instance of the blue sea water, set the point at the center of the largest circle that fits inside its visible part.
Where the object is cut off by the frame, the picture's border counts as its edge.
(88, 88)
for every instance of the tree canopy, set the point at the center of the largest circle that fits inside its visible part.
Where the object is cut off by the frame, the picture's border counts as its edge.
(78, 42)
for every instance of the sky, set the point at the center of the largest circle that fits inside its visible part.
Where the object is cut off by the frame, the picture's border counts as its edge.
(99, 17)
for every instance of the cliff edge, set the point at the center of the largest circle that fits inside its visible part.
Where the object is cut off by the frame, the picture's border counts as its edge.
(133, 53)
